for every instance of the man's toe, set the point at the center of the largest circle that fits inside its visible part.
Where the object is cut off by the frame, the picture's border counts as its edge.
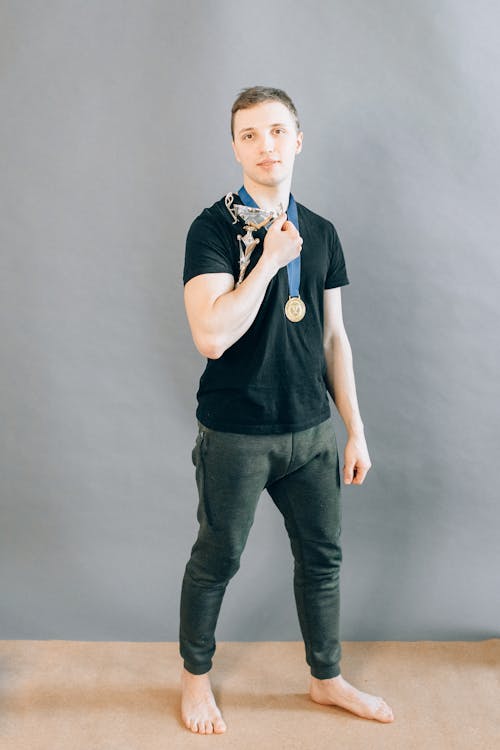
(385, 710)
(219, 726)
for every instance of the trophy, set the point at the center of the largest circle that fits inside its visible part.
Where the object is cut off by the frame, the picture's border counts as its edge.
(254, 219)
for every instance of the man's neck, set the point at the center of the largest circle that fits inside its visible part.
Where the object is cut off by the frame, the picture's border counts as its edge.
(268, 196)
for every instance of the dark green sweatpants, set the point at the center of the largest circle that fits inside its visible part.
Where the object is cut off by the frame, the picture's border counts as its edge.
(300, 471)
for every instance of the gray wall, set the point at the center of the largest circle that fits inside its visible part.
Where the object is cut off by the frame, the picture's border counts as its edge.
(115, 134)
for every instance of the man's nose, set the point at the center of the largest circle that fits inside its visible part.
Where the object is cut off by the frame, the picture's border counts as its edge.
(268, 143)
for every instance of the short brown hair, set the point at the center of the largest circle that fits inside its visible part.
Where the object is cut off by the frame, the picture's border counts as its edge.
(256, 95)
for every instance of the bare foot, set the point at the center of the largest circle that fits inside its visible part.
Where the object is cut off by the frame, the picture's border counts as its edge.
(337, 692)
(198, 707)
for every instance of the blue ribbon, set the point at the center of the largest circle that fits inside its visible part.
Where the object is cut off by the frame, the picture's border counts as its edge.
(293, 268)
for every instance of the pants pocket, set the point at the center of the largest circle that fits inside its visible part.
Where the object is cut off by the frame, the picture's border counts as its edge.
(195, 453)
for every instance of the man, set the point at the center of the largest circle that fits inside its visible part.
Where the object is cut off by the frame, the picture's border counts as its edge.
(269, 321)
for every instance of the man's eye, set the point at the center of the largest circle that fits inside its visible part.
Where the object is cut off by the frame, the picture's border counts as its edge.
(279, 130)
(247, 135)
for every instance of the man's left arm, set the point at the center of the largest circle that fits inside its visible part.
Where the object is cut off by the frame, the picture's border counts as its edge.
(342, 387)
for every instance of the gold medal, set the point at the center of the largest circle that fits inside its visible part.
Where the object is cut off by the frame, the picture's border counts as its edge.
(295, 309)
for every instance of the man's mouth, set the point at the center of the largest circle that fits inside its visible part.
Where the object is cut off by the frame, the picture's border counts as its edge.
(268, 162)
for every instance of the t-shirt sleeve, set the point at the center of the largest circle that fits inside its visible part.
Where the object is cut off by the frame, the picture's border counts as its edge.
(207, 249)
(337, 273)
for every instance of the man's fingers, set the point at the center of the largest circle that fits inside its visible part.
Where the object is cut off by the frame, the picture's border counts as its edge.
(355, 473)
(348, 473)
(279, 222)
(289, 226)
(359, 474)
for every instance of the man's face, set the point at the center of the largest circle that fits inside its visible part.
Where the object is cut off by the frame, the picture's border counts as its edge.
(266, 142)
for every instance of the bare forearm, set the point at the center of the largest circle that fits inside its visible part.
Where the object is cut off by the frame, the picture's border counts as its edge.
(219, 313)
(341, 383)
(233, 313)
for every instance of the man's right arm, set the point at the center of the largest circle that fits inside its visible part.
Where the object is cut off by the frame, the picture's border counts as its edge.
(220, 313)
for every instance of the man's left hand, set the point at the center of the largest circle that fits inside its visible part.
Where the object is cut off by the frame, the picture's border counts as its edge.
(356, 460)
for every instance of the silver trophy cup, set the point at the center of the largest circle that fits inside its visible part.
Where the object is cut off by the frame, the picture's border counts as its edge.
(253, 219)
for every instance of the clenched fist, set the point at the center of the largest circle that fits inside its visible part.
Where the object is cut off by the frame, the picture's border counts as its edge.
(282, 242)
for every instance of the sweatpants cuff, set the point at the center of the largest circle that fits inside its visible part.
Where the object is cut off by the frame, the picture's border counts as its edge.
(325, 673)
(197, 669)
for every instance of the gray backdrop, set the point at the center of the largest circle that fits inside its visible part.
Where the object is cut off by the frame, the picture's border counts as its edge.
(115, 135)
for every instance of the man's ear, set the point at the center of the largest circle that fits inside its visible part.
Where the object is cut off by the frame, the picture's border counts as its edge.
(300, 138)
(234, 150)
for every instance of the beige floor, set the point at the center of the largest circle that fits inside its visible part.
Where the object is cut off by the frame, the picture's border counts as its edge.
(66, 695)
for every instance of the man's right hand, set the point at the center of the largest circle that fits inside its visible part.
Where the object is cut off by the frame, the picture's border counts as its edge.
(282, 242)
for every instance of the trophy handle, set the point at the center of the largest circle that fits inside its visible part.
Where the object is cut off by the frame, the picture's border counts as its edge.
(229, 199)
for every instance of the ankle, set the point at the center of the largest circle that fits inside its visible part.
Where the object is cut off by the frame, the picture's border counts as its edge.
(187, 675)
(327, 680)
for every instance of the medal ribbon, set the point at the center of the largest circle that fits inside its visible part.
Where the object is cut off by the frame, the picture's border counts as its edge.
(293, 268)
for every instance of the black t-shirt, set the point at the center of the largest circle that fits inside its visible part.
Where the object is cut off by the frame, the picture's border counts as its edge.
(272, 380)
